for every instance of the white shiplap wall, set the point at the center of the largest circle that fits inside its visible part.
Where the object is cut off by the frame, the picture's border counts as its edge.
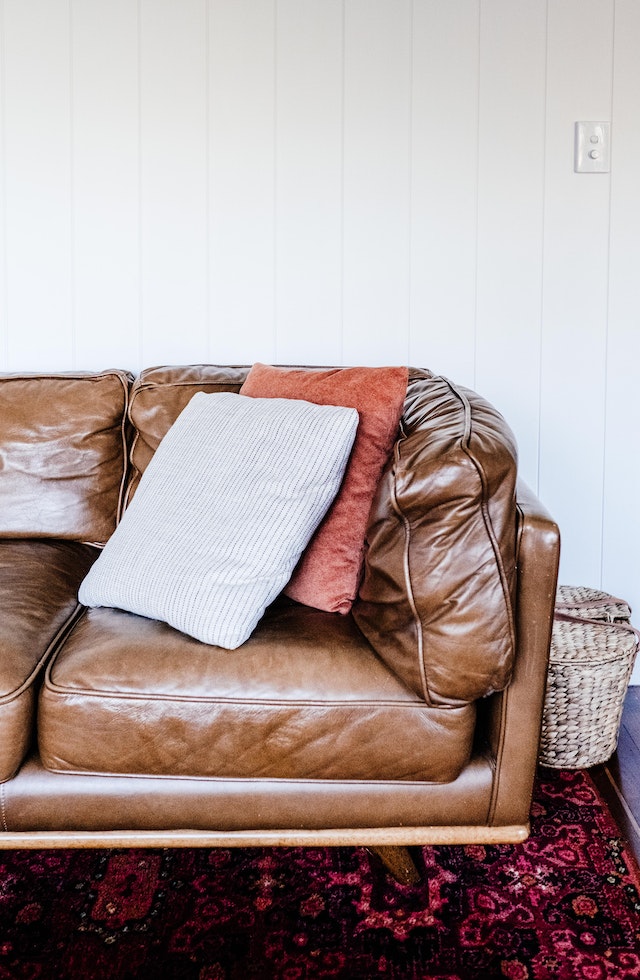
(342, 181)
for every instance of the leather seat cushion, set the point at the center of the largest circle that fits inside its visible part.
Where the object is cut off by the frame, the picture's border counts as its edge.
(38, 597)
(305, 697)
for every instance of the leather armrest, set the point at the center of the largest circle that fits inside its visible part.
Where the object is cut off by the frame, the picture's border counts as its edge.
(515, 715)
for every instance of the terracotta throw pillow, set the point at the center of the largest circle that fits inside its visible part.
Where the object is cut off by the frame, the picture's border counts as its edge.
(328, 574)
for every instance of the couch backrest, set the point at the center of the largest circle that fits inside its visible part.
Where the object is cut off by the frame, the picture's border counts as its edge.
(63, 454)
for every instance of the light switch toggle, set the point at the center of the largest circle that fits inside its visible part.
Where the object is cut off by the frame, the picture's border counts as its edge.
(592, 148)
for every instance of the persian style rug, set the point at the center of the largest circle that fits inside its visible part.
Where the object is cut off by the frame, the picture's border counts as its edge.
(563, 905)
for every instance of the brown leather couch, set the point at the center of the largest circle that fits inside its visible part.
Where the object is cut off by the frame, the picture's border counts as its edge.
(415, 719)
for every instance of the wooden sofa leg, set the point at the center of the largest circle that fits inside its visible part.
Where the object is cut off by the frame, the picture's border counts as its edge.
(398, 862)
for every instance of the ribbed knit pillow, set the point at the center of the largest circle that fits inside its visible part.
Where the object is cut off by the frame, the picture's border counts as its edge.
(223, 512)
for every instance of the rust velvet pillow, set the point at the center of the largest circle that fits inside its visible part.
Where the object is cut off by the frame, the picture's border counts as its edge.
(328, 574)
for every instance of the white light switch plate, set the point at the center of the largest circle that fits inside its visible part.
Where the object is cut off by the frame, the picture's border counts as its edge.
(592, 148)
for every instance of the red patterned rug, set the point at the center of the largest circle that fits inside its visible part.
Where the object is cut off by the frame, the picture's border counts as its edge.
(563, 905)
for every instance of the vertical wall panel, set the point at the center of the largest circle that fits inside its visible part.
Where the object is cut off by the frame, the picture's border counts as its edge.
(38, 184)
(377, 181)
(309, 181)
(106, 183)
(575, 286)
(173, 107)
(621, 526)
(444, 168)
(510, 210)
(242, 175)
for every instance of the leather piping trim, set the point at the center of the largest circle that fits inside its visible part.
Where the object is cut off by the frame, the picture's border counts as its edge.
(407, 574)
(65, 375)
(416, 705)
(399, 781)
(125, 448)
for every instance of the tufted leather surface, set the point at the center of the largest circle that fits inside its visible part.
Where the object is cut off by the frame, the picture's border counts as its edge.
(63, 454)
(38, 588)
(304, 697)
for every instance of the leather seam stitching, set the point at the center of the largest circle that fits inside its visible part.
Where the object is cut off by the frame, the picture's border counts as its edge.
(125, 451)
(426, 693)
(260, 781)
(280, 703)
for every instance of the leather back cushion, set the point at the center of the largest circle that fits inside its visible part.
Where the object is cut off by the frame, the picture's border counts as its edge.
(436, 601)
(158, 396)
(63, 462)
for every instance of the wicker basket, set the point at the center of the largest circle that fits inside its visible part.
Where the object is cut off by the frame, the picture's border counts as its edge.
(593, 649)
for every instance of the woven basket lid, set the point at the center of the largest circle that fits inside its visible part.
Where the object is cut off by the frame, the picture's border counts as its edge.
(591, 603)
(591, 642)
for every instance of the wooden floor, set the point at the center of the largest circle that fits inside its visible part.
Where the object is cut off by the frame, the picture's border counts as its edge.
(619, 779)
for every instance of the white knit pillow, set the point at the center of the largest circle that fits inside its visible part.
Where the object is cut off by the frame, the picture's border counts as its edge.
(223, 512)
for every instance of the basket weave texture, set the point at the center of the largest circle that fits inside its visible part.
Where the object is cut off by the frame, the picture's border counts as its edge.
(593, 649)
